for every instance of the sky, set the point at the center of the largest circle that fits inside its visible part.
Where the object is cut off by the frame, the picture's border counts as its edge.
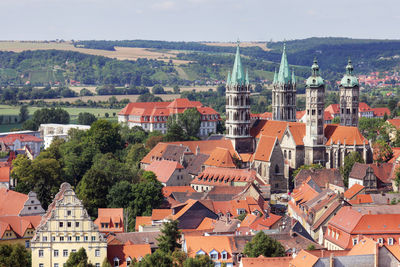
(198, 20)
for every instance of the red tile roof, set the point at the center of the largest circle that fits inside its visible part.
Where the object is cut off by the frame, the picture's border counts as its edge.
(168, 190)
(361, 199)
(206, 224)
(344, 134)
(352, 191)
(160, 214)
(396, 154)
(249, 205)
(380, 112)
(333, 109)
(395, 123)
(363, 107)
(265, 147)
(207, 244)
(17, 199)
(269, 128)
(142, 220)
(110, 216)
(304, 259)
(122, 252)
(164, 169)
(262, 261)
(18, 224)
(10, 139)
(5, 174)
(207, 146)
(220, 157)
(223, 176)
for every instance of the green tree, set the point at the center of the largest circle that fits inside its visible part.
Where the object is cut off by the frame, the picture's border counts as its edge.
(105, 136)
(147, 97)
(311, 247)
(177, 90)
(382, 151)
(47, 115)
(221, 90)
(120, 195)
(158, 89)
(190, 121)
(258, 88)
(158, 258)
(86, 118)
(169, 237)
(336, 120)
(174, 132)
(262, 244)
(78, 259)
(133, 135)
(93, 190)
(23, 113)
(136, 153)
(178, 257)
(199, 261)
(105, 263)
(349, 161)
(14, 255)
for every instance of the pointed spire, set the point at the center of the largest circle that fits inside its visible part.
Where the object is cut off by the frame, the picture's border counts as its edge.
(237, 71)
(275, 77)
(228, 79)
(283, 75)
(293, 77)
(247, 77)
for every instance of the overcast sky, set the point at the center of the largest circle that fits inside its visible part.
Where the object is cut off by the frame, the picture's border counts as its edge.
(198, 20)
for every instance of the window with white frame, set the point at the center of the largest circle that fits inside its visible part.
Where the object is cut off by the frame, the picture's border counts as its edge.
(97, 264)
(55, 264)
(390, 241)
(97, 253)
(41, 253)
(214, 255)
(128, 261)
(27, 244)
(65, 252)
(41, 265)
(380, 240)
(116, 262)
(355, 241)
(224, 255)
(55, 253)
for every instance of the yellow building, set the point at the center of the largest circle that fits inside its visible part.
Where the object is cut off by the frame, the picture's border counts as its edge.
(65, 228)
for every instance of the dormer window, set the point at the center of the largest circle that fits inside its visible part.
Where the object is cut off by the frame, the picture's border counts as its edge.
(128, 261)
(390, 241)
(224, 255)
(380, 240)
(214, 255)
(116, 262)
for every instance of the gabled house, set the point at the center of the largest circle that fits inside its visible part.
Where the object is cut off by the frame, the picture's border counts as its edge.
(110, 220)
(126, 254)
(350, 224)
(324, 178)
(269, 163)
(221, 249)
(353, 191)
(373, 177)
(15, 142)
(169, 173)
(191, 214)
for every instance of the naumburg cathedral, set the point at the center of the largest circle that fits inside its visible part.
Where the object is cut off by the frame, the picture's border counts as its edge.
(300, 143)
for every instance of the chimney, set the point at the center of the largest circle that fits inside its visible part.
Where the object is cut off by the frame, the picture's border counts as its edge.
(197, 150)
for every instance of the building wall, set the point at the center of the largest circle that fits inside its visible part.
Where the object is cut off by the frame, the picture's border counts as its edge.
(276, 171)
(179, 177)
(386, 258)
(194, 216)
(77, 230)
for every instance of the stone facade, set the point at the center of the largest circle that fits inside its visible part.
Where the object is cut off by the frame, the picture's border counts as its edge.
(284, 92)
(349, 98)
(238, 108)
(66, 227)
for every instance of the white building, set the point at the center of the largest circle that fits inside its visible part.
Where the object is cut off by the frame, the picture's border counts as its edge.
(51, 130)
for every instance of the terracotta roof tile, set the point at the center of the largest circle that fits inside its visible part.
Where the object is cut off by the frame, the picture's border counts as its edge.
(207, 244)
(262, 261)
(395, 250)
(155, 153)
(10, 139)
(122, 252)
(380, 112)
(265, 148)
(142, 220)
(335, 133)
(168, 190)
(333, 109)
(206, 224)
(361, 199)
(304, 259)
(17, 199)
(321, 177)
(220, 157)
(207, 146)
(395, 123)
(5, 174)
(352, 191)
(364, 247)
(112, 216)
(163, 169)
(160, 214)
(224, 176)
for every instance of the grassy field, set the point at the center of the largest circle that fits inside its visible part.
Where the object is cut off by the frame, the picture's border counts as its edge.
(121, 53)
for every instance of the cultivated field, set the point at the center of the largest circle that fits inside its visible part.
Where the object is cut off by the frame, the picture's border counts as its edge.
(183, 88)
(121, 53)
(262, 45)
(96, 98)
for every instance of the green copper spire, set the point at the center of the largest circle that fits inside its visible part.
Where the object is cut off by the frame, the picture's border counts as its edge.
(284, 75)
(275, 77)
(228, 79)
(349, 80)
(315, 80)
(247, 77)
(237, 71)
(293, 77)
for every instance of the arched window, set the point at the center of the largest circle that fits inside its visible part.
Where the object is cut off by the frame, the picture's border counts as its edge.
(116, 262)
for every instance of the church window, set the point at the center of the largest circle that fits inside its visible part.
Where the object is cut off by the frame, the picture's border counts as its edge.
(290, 154)
(284, 153)
(276, 169)
(313, 112)
(348, 111)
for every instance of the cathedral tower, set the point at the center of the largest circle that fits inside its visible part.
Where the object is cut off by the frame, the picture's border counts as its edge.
(284, 92)
(238, 107)
(349, 95)
(314, 140)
